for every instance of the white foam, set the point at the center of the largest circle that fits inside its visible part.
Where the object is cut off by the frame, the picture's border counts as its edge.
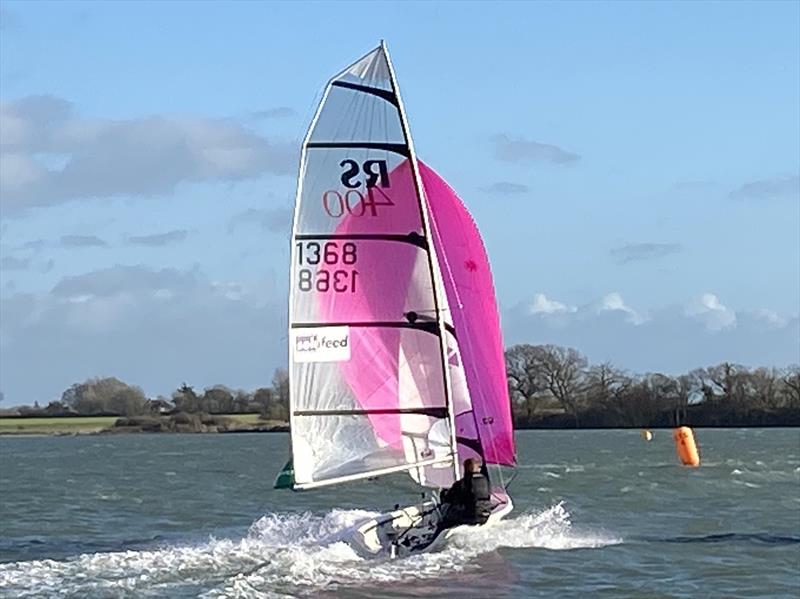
(282, 554)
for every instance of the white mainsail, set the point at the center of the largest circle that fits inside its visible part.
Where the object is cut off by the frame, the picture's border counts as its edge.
(376, 373)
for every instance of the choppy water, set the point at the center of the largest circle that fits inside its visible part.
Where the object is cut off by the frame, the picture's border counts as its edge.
(599, 513)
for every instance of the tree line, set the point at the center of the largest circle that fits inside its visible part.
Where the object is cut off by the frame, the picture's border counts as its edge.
(113, 397)
(553, 386)
(549, 385)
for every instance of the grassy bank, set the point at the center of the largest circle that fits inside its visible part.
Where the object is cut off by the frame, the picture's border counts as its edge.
(55, 426)
(87, 424)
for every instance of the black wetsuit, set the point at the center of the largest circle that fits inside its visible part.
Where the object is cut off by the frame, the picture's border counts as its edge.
(468, 501)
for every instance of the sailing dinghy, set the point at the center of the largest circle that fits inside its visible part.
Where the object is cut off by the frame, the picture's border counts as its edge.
(396, 355)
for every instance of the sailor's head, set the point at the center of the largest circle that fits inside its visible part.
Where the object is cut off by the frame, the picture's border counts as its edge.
(472, 466)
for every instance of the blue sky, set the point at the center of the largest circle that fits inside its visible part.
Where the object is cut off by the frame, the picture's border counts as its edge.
(634, 169)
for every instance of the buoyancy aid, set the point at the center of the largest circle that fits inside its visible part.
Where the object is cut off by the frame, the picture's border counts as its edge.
(480, 498)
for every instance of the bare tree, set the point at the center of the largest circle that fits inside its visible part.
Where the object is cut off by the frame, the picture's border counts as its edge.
(563, 372)
(763, 386)
(280, 395)
(263, 397)
(242, 401)
(604, 383)
(791, 385)
(525, 383)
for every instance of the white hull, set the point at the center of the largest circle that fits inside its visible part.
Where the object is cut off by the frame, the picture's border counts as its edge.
(413, 529)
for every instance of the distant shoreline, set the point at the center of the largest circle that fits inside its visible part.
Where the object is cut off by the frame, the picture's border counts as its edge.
(203, 424)
(196, 423)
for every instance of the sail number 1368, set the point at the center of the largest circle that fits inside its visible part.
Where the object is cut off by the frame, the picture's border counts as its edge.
(339, 280)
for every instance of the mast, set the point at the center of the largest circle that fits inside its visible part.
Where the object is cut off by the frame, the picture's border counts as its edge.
(426, 230)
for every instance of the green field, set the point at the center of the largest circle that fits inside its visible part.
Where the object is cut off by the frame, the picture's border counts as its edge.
(248, 418)
(50, 426)
(83, 424)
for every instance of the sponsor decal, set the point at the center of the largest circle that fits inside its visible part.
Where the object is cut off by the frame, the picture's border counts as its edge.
(321, 344)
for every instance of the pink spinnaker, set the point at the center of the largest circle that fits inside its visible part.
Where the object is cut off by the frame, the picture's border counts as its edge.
(470, 293)
(401, 367)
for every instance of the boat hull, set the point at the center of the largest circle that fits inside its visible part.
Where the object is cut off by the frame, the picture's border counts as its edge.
(413, 529)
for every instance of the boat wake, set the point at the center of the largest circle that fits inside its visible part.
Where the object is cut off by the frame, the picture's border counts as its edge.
(283, 555)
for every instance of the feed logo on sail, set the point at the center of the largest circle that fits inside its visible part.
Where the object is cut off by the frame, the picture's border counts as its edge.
(322, 344)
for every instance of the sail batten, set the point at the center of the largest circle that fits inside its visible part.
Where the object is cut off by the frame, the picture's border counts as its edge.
(398, 148)
(433, 412)
(366, 475)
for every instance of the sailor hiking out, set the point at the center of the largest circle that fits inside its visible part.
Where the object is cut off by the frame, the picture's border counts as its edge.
(468, 501)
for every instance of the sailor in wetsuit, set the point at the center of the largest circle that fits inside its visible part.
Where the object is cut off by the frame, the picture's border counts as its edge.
(468, 501)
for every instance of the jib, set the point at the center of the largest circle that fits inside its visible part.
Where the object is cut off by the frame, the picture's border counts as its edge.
(375, 171)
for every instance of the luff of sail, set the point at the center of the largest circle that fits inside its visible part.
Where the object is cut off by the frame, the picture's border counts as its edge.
(369, 391)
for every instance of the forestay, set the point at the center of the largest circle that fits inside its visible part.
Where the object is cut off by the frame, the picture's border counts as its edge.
(378, 380)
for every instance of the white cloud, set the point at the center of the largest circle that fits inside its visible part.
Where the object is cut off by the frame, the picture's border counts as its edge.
(519, 149)
(544, 305)
(672, 339)
(768, 188)
(613, 302)
(48, 155)
(159, 239)
(280, 112)
(770, 317)
(155, 328)
(709, 310)
(505, 187)
(634, 252)
(275, 220)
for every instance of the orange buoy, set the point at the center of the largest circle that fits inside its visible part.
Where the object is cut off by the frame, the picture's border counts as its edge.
(685, 446)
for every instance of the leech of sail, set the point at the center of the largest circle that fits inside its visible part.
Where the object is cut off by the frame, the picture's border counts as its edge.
(397, 148)
(375, 91)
